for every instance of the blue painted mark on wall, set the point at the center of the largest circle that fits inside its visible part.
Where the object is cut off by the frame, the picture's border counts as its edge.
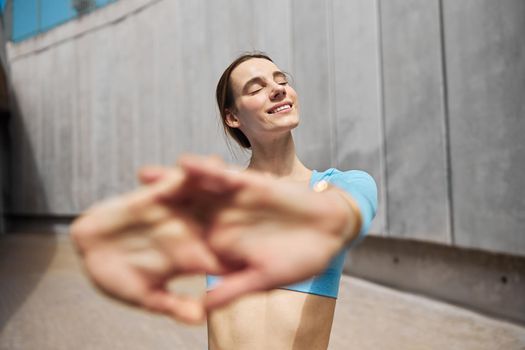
(31, 17)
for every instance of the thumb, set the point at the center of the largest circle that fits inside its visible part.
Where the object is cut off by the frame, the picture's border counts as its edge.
(235, 285)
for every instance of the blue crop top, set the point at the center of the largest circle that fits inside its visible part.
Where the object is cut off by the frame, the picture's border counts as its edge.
(362, 187)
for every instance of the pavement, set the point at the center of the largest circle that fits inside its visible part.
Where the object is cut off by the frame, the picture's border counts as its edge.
(47, 303)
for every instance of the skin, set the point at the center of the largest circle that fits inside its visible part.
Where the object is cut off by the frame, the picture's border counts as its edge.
(261, 229)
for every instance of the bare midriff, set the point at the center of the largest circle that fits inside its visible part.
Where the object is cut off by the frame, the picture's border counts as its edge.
(279, 319)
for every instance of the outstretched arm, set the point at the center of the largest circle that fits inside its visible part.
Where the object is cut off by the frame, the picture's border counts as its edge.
(255, 230)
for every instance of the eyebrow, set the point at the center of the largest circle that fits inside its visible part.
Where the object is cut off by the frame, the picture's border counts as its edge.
(260, 79)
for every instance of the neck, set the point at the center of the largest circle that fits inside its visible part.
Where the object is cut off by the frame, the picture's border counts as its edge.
(278, 157)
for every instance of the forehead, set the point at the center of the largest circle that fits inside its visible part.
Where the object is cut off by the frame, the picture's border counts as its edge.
(252, 68)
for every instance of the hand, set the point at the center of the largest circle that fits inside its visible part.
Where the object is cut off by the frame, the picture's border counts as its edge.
(259, 231)
(268, 232)
(133, 244)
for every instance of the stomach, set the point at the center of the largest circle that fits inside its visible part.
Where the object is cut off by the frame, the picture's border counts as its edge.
(277, 319)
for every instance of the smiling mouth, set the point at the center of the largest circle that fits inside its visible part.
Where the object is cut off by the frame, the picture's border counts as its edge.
(285, 107)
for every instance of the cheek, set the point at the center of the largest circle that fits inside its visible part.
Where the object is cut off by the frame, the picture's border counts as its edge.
(291, 93)
(293, 96)
(254, 104)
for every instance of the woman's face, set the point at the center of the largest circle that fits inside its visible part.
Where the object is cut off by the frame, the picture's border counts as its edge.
(264, 101)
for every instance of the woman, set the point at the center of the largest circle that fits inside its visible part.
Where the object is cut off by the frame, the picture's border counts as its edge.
(258, 231)
(259, 109)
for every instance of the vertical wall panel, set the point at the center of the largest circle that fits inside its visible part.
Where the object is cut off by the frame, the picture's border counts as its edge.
(197, 78)
(27, 188)
(173, 118)
(84, 180)
(358, 92)
(311, 66)
(273, 30)
(231, 33)
(146, 117)
(45, 157)
(485, 50)
(414, 120)
(125, 89)
(58, 108)
(103, 123)
(18, 131)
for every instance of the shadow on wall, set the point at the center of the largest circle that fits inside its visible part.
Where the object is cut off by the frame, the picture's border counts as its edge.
(4, 126)
(4, 165)
(27, 198)
(23, 259)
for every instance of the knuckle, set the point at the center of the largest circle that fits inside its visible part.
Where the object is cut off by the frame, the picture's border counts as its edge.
(81, 232)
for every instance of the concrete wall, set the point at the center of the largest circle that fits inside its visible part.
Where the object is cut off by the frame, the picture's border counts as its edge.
(4, 126)
(426, 96)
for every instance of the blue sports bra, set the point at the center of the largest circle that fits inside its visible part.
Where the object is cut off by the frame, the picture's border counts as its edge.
(362, 187)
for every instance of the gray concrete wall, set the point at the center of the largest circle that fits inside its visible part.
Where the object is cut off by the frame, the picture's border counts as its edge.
(4, 127)
(489, 283)
(426, 96)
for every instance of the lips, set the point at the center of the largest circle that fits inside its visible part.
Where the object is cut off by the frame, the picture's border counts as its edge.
(286, 106)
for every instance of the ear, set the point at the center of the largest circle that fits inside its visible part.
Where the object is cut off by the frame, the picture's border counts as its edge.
(231, 119)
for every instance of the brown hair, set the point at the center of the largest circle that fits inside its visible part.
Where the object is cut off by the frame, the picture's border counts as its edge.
(225, 98)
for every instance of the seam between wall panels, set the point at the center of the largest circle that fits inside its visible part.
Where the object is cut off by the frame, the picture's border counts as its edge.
(292, 41)
(290, 38)
(446, 125)
(291, 63)
(332, 110)
(382, 122)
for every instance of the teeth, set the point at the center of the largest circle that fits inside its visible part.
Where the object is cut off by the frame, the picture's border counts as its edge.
(280, 108)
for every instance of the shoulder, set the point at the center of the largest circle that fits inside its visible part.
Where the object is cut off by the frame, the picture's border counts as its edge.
(358, 183)
(333, 175)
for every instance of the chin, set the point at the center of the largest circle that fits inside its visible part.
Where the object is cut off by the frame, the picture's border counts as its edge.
(294, 121)
(294, 125)
(288, 125)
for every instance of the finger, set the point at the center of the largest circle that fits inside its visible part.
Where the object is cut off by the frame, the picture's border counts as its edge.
(182, 243)
(107, 272)
(216, 161)
(121, 213)
(151, 173)
(198, 260)
(184, 309)
(235, 285)
(117, 214)
(99, 221)
(213, 160)
(171, 187)
(209, 177)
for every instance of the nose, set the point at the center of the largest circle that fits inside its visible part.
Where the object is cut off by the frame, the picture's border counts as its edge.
(278, 92)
